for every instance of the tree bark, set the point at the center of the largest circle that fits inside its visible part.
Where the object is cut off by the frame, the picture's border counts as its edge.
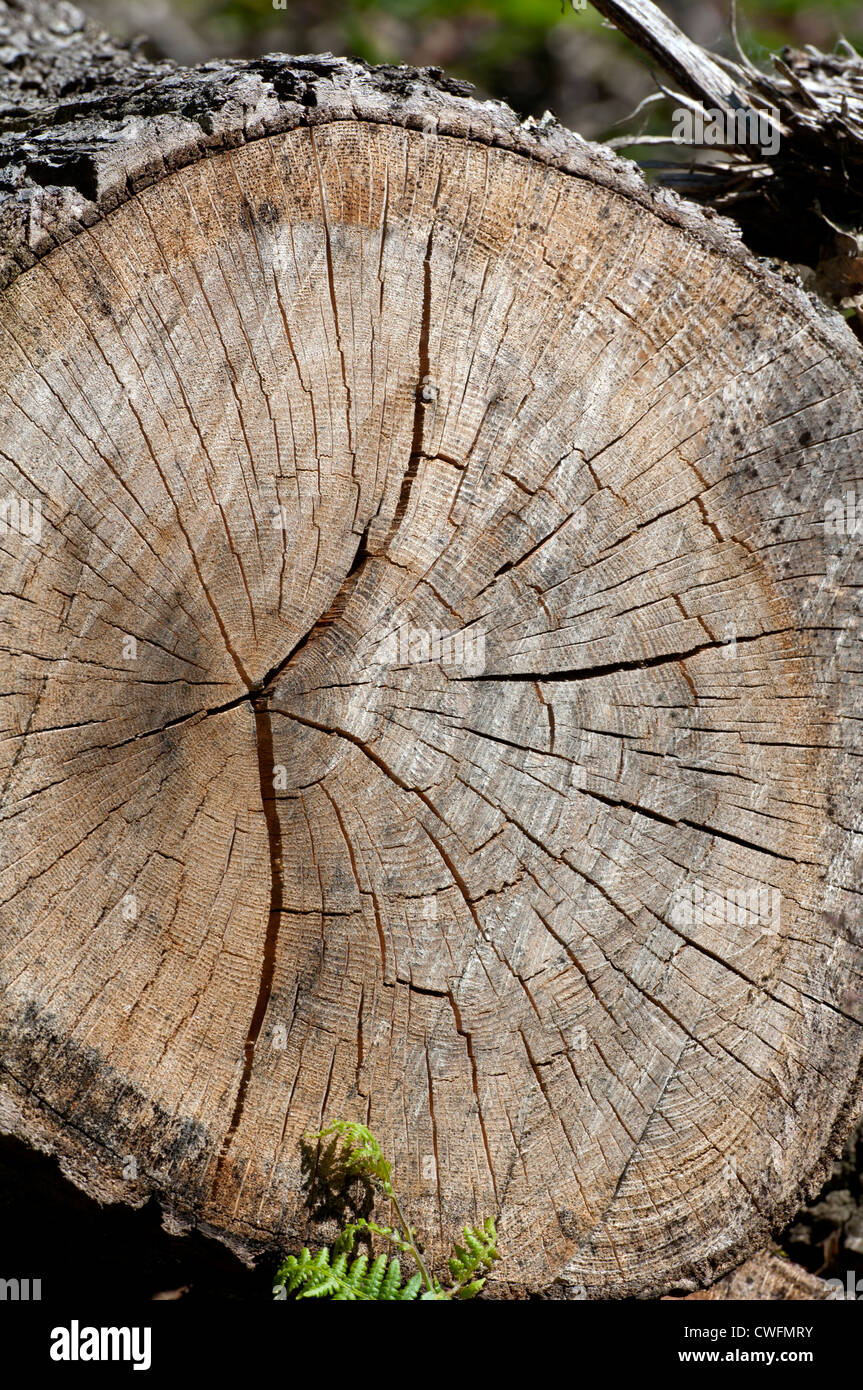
(433, 598)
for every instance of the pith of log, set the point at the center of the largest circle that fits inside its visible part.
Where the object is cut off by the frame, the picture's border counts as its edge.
(803, 201)
(308, 364)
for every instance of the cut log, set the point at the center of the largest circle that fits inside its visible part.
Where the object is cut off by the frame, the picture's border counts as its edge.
(431, 676)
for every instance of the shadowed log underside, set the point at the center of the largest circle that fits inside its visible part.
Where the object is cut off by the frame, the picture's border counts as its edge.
(767, 1276)
(274, 851)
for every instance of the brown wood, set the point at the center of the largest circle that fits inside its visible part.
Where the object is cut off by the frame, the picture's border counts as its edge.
(316, 378)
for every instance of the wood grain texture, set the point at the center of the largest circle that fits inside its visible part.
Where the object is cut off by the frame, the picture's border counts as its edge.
(278, 866)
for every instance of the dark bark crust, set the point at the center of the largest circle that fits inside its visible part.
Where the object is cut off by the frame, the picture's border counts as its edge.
(86, 123)
(77, 140)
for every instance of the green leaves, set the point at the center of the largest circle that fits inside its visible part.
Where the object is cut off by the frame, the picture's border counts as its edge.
(476, 1255)
(361, 1153)
(329, 1275)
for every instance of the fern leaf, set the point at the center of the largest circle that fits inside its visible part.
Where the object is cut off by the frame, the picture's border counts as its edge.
(326, 1275)
(376, 1276)
(308, 1276)
(329, 1274)
(392, 1281)
(470, 1290)
(474, 1258)
(361, 1153)
(351, 1286)
(410, 1290)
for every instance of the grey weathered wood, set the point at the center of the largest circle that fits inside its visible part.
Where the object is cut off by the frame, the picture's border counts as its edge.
(767, 1276)
(484, 380)
(696, 71)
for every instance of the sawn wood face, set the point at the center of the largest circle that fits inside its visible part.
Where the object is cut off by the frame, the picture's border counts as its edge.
(434, 596)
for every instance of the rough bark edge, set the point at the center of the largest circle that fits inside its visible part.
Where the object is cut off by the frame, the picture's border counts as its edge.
(72, 155)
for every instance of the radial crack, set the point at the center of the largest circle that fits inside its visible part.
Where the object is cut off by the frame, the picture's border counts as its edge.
(266, 770)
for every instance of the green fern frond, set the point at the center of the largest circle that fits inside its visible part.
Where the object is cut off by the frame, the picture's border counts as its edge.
(328, 1275)
(411, 1288)
(361, 1153)
(347, 1237)
(474, 1258)
(308, 1276)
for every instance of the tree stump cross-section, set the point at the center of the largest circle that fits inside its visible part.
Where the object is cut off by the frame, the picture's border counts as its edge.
(431, 697)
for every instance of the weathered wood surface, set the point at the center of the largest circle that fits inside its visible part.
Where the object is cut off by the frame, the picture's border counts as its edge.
(767, 1277)
(298, 355)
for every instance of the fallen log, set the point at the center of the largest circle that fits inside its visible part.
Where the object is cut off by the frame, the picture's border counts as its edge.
(431, 668)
